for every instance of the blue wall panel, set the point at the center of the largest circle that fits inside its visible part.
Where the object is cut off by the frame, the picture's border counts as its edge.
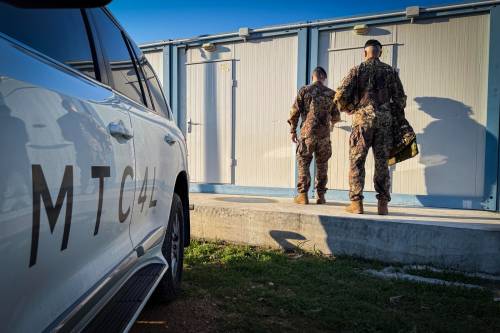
(492, 173)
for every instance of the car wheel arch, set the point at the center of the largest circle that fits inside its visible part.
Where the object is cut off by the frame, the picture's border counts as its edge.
(182, 190)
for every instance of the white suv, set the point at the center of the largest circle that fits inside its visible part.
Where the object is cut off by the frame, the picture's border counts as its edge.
(94, 206)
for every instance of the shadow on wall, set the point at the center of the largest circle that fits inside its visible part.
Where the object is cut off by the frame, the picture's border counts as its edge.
(283, 239)
(449, 149)
(210, 122)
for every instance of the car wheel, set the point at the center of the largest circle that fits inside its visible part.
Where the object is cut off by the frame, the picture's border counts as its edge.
(173, 251)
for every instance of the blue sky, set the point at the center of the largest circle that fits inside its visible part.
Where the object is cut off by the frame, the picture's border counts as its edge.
(151, 20)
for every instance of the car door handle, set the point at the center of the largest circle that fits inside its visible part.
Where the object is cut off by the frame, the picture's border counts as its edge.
(169, 139)
(119, 130)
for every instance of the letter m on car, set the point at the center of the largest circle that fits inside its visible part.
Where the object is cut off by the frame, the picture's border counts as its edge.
(41, 193)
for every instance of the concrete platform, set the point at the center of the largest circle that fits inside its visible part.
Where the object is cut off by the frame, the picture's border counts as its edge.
(457, 239)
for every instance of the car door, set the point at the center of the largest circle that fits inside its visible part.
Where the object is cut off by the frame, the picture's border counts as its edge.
(158, 152)
(67, 168)
(155, 136)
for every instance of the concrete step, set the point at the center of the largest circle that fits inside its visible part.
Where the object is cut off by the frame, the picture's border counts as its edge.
(456, 239)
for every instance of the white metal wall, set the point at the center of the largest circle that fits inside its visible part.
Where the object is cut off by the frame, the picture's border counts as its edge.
(443, 66)
(155, 58)
(264, 75)
(209, 131)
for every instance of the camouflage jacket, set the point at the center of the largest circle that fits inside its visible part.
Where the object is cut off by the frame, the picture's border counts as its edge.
(375, 86)
(314, 104)
(371, 84)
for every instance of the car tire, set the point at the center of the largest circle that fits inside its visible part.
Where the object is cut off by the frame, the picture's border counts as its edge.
(173, 251)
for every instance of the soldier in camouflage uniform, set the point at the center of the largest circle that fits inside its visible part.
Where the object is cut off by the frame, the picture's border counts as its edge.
(314, 105)
(370, 92)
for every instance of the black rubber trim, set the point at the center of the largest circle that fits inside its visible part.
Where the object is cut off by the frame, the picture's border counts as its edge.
(116, 315)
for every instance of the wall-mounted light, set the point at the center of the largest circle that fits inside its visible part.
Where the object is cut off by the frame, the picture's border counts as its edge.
(412, 12)
(244, 32)
(209, 47)
(361, 29)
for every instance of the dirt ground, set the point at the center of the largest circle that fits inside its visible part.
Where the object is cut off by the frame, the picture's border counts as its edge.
(185, 314)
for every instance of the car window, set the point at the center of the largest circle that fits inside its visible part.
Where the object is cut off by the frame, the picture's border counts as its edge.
(123, 72)
(59, 33)
(138, 60)
(147, 89)
(156, 93)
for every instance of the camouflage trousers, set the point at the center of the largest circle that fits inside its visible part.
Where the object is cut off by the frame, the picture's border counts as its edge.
(368, 131)
(321, 148)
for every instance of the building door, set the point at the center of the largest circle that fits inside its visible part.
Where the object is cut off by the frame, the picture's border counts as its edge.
(209, 121)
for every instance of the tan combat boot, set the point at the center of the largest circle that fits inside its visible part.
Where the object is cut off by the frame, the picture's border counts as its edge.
(301, 199)
(382, 207)
(321, 199)
(356, 207)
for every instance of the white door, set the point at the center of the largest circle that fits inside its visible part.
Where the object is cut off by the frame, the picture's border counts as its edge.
(209, 121)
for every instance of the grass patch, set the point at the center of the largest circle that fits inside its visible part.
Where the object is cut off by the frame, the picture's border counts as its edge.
(262, 290)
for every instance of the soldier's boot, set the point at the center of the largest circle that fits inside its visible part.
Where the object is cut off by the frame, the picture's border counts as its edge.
(382, 207)
(301, 199)
(356, 207)
(321, 199)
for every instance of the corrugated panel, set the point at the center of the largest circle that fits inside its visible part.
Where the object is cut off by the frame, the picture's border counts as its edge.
(266, 86)
(209, 113)
(443, 66)
(156, 61)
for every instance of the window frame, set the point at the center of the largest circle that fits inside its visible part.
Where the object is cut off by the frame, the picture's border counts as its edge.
(167, 114)
(99, 64)
(142, 76)
(169, 110)
(106, 63)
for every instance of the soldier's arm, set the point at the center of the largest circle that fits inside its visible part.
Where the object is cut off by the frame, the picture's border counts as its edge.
(398, 92)
(345, 96)
(335, 113)
(295, 111)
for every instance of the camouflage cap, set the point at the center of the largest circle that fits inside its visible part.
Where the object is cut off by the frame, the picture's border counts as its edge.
(373, 42)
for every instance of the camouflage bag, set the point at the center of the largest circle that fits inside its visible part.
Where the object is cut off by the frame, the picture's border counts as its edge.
(404, 139)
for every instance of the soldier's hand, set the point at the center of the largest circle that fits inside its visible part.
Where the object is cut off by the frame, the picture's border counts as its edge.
(294, 138)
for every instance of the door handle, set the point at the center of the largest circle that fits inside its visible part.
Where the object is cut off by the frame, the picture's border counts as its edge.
(119, 130)
(190, 124)
(169, 139)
